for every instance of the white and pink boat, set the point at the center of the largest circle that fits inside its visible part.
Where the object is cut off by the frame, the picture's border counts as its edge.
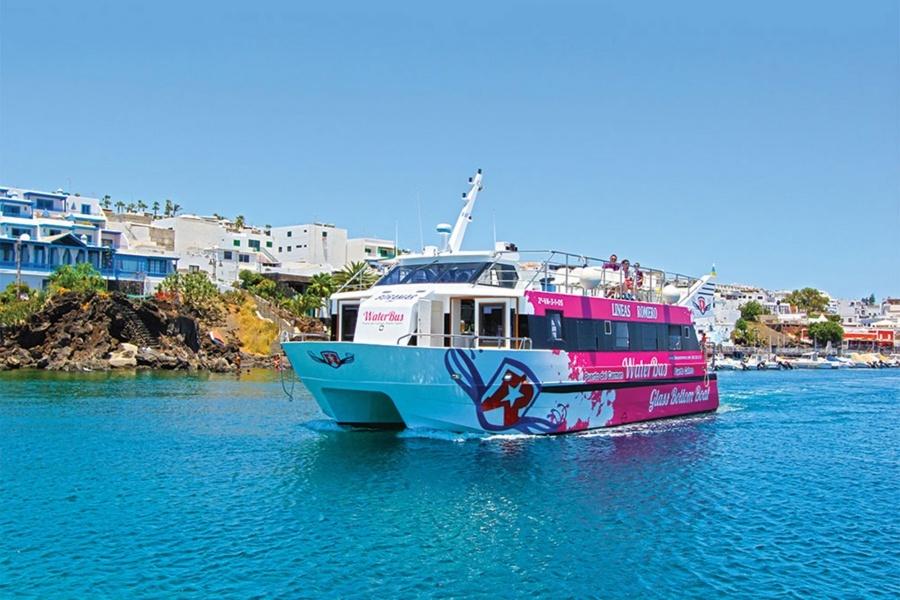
(508, 341)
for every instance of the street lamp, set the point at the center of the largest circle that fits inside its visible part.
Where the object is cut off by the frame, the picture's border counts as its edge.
(22, 238)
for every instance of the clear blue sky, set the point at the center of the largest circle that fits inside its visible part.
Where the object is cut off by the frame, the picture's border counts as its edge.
(762, 136)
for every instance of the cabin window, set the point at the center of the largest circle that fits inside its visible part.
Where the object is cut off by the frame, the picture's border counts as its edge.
(500, 275)
(591, 335)
(648, 337)
(586, 335)
(433, 273)
(689, 338)
(622, 339)
(554, 326)
(674, 337)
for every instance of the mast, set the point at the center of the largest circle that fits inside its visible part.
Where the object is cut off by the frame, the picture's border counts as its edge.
(465, 215)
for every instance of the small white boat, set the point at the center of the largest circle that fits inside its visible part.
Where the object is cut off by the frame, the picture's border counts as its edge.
(840, 362)
(729, 364)
(812, 361)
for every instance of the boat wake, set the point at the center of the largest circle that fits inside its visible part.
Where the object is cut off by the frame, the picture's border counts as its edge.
(325, 426)
(444, 436)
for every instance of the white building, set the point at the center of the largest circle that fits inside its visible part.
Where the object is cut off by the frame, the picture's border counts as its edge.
(218, 247)
(41, 231)
(313, 243)
(367, 248)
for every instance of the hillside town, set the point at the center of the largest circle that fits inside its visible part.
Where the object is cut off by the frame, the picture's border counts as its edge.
(135, 246)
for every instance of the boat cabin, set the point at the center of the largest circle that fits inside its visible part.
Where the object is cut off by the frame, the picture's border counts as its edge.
(514, 299)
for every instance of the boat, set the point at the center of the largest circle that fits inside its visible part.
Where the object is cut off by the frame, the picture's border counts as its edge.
(509, 342)
(723, 363)
(839, 362)
(863, 361)
(812, 361)
(760, 362)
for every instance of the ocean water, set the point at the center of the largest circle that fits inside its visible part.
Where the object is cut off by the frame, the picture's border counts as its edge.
(165, 485)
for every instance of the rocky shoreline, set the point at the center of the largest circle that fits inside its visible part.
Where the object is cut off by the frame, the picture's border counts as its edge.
(78, 332)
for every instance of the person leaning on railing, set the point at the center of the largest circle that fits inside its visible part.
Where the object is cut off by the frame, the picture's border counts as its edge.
(612, 264)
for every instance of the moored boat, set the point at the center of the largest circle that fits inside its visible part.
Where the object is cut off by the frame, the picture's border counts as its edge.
(508, 341)
(812, 361)
(729, 364)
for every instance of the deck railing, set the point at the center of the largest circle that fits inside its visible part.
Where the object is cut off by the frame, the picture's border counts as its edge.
(555, 271)
(458, 340)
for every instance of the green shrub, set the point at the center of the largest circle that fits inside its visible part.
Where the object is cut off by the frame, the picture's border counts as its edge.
(82, 278)
(17, 304)
(751, 310)
(195, 291)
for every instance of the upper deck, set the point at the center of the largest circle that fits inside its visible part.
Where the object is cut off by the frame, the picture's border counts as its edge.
(507, 297)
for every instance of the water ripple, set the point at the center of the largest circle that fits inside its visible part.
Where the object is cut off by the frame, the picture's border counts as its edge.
(161, 486)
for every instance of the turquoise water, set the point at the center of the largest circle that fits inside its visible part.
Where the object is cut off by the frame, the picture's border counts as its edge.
(180, 486)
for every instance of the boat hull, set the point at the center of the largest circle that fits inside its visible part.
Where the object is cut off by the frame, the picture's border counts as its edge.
(498, 391)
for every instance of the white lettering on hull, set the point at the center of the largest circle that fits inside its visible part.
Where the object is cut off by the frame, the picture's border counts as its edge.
(677, 396)
(642, 370)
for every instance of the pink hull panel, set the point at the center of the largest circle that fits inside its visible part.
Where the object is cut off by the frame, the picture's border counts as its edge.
(612, 407)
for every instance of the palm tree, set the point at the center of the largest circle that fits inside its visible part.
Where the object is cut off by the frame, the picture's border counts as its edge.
(321, 285)
(106, 202)
(155, 208)
(141, 205)
(355, 276)
(119, 206)
(303, 304)
(176, 208)
(239, 222)
(130, 207)
(168, 209)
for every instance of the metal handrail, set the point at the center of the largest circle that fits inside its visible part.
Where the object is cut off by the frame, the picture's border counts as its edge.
(654, 280)
(302, 337)
(515, 343)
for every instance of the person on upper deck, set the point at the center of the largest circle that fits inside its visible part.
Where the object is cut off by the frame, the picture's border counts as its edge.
(638, 276)
(627, 281)
(612, 263)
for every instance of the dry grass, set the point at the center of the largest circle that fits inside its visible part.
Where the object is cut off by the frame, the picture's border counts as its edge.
(256, 335)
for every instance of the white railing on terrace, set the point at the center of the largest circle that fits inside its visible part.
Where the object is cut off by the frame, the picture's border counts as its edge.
(558, 271)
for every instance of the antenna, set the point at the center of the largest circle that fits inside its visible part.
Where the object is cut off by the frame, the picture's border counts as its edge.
(421, 231)
(465, 215)
(494, 224)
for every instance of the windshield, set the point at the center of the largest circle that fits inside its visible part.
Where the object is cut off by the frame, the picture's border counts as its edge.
(433, 273)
